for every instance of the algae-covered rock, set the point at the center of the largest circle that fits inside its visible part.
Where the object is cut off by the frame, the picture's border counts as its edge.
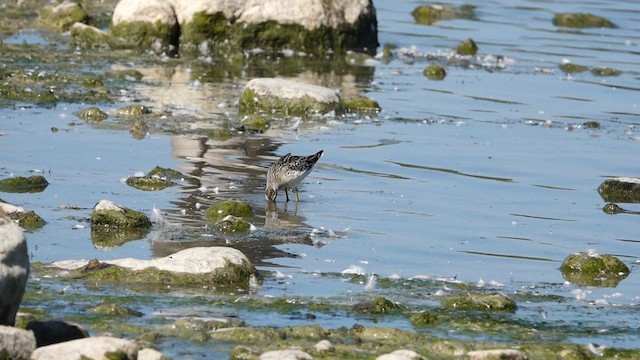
(467, 47)
(424, 319)
(193, 267)
(220, 134)
(435, 72)
(108, 214)
(21, 184)
(232, 225)
(28, 220)
(570, 68)
(362, 105)
(256, 121)
(149, 183)
(287, 98)
(63, 16)
(114, 309)
(581, 20)
(605, 71)
(591, 125)
(91, 114)
(612, 209)
(429, 14)
(88, 36)
(132, 111)
(591, 269)
(480, 301)
(166, 173)
(378, 305)
(620, 190)
(237, 208)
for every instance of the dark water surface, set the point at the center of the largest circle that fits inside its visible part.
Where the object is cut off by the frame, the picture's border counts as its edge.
(488, 176)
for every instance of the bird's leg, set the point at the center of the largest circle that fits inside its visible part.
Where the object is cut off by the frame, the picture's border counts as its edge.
(297, 197)
(286, 193)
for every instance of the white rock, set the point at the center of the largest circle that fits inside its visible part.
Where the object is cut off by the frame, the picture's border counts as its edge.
(14, 268)
(324, 345)
(149, 354)
(107, 205)
(94, 348)
(17, 343)
(510, 354)
(185, 9)
(401, 354)
(148, 11)
(285, 355)
(290, 89)
(197, 260)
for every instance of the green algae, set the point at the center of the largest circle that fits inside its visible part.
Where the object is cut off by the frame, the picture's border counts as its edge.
(236, 208)
(166, 173)
(113, 309)
(581, 20)
(570, 68)
(424, 319)
(593, 269)
(232, 225)
(467, 47)
(132, 111)
(28, 220)
(361, 105)
(127, 218)
(149, 183)
(21, 184)
(480, 301)
(605, 71)
(435, 72)
(256, 121)
(63, 16)
(429, 14)
(91, 114)
(620, 190)
(305, 106)
(220, 134)
(142, 36)
(379, 305)
(124, 74)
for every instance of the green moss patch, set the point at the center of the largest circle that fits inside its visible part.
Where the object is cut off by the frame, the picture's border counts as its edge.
(149, 183)
(593, 269)
(126, 218)
(467, 47)
(28, 220)
(361, 105)
(581, 20)
(480, 301)
(435, 72)
(132, 111)
(429, 14)
(378, 305)
(63, 16)
(236, 208)
(605, 71)
(91, 114)
(21, 184)
(143, 36)
(570, 68)
(620, 190)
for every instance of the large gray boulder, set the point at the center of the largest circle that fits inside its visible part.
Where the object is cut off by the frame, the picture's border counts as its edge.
(16, 344)
(14, 268)
(97, 348)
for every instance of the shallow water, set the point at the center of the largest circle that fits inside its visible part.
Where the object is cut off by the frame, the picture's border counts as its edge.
(487, 176)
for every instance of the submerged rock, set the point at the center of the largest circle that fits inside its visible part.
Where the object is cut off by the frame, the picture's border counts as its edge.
(480, 301)
(240, 209)
(114, 309)
(429, 14)
(467, 47)
(14, 268)
(362, 104)
(16, 344)
(620, 190)
(591, 269)
(91, 114)
(199, 266)
(378, 305)
(570, 68)
(56, 331)
(166, 173)
(232, 225)
(581, 21)
(21, 184)
(287, 98)
(99, 347)
(149, 183)
(435, 72)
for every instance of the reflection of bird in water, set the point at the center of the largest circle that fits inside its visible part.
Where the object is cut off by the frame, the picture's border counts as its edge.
(288, 172)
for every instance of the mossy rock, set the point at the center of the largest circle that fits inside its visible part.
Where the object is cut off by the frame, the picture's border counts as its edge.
(362, 105)
(429, 14)
(480, 301)
(220, 134)
(620, 190)
(236, 208)
(87, 36)
(435, 72)
(132, 111)
(467, 48)
(378, 305)
(581, 20)
(115, 216)
(612, 209)
(605, 71)
(166, 173)
(63, 16)
(113, 309)
(591, 125)
(424, 319)
(149, 183)
(570, 68)
(28, 220)
(91, 114)
(143, 36)
(588, 269)
(21, 184)
(109, 237)
(256, 121)
(303, 106)
(232, 225)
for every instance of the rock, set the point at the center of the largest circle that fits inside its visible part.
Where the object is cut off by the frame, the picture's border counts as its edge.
(132, 111)
(233, 225)
(378, 305)
(498, 354)
(285, 355)
(146, 24)
(21, 184)
(92, 114)
(99, 347)
(114, 309)
(362, 104)
(605, 71)
(287, 98)
(14, 268)
(620, 189)
(479, 301)
(581, 21)
(28, 220)
(150, 354)
(166, 173)
(401, 354)
(109, 214)
(569, 68)
(55, 331)
(591, 269)
(434, 72)
(16, 344)
(236, 208)
(324, 345)
(424, 319)
(429, 14)
(64, 15)
(91, 37)
(467, 47)
(198, 266)
(148, 183)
